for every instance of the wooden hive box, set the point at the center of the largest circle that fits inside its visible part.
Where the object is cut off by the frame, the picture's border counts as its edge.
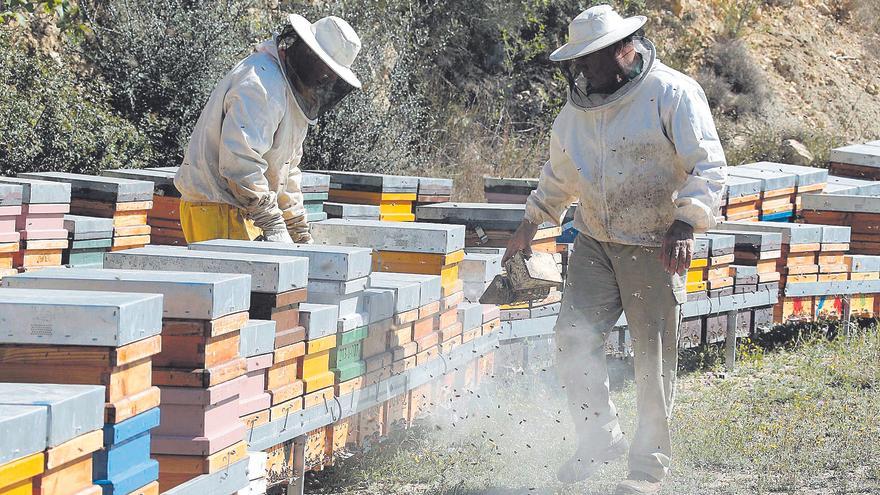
(164, 217)
(860, 161)
(126, 201)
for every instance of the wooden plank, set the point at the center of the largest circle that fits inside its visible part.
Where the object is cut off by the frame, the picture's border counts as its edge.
(74, 449)
(200, 378)
(119, 381)
(198, 351)
(285, 409)
(129, 407)
(196, 465)
(213, 328)
(68, 479)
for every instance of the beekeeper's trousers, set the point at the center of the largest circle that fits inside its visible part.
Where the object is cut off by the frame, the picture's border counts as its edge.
(203, 221)
(605, 279)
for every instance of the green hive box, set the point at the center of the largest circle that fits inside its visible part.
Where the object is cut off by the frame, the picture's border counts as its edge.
(350, 371)
(341, 356)
(352, 336)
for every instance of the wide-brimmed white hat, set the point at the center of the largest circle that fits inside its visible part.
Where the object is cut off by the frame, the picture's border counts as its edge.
(334, 41)
(594, 29)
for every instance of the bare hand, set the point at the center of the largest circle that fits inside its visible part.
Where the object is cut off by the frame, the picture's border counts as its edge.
(521, 240)
(678, 248)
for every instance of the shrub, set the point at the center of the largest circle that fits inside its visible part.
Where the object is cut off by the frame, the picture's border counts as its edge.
(734, 82)
(50, 119)
(161, 59)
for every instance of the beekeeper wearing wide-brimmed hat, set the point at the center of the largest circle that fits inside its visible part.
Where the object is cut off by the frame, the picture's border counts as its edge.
(636, 146)
(240, 177)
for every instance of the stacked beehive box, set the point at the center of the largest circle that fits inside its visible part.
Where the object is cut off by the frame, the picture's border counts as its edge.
(88, 239)
(337, 289)
(778, 192)
(92, 338)
(860, 213)
(721, 256)
(127, 202)
(393, 194)
(860, 161)
(164, 216)
(417, 248)
(508, 190)
(10, 210)
(355, 212)
(213, 393)
(257, 346)
(720, 283)
(316, 191)
(850, 186)
(864, 268)
(200, 329)
(477, 271)
(832, 268)
(755, 270)
(798, 263)
(50, 433)
(41, 223)
(742, 199)
(433, 190)
(697, 288)
(807, 179)
(695, 283)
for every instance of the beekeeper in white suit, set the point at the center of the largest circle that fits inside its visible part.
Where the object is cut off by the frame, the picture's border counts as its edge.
(240, 177)
(637, 147)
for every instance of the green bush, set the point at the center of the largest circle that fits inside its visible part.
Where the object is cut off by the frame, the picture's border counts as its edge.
(51, 119)
(161, 59)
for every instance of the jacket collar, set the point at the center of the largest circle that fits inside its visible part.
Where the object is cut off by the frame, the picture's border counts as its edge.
(597, 101)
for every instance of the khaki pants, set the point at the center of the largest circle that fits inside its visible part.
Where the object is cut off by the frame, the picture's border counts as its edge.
(605, 279)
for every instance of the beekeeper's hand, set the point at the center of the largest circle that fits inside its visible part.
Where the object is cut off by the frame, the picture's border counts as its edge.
(678, 248)
(521, 240)
(267, 217)
(298, 227)
(277, 236)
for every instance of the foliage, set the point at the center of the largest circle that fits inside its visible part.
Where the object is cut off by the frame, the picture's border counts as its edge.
(734, 83)
(160, 59)
(65, 13)
(51, 119)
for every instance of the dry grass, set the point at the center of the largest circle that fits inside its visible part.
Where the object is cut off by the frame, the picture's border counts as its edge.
(799, 420)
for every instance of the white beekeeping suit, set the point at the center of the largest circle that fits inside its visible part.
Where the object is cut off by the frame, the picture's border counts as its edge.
(245, 150)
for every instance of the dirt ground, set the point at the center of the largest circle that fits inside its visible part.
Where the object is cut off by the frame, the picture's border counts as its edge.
(796, 421)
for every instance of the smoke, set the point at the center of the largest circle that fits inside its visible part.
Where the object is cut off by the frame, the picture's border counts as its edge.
(512, 433)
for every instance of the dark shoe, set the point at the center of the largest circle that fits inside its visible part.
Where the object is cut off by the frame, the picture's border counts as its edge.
(639, 484)
(586, 461)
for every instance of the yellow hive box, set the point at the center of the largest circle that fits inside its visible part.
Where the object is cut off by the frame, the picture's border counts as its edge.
(794, 308)
(16, 477)
(696, 275)
(437, 261)
(700, 263)
(319, 381)
(319, 345)
(395, 208)
(315, 364)
(862, 305)
(397, 217)
(864, 276)
(696, 286)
